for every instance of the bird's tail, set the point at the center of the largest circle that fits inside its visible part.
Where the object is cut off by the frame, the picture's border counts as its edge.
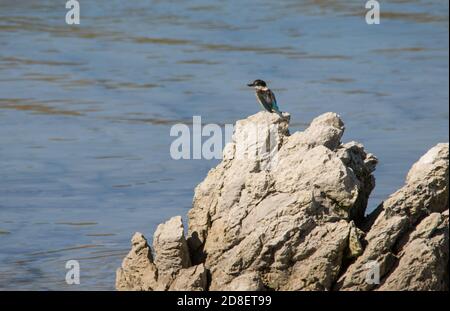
(276, 110)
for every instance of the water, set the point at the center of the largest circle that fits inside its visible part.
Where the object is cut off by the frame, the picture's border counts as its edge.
(85, 111)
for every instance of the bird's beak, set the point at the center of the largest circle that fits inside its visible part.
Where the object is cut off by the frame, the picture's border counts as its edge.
(250, 84)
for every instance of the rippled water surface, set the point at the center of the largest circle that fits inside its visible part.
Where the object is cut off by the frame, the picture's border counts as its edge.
(85, 111)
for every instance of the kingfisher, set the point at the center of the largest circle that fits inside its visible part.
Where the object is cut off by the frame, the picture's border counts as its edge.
(265, 96)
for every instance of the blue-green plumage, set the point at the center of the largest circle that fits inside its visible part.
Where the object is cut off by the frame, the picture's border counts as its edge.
(265, 96)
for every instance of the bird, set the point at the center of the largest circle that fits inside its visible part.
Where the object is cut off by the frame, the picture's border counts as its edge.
(265, 96)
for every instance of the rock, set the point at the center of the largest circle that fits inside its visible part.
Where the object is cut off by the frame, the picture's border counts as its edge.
(355, 237)
(404, 240)
(191, 279)
(423, 260)
(250, 281)
(318, 260)
(250, 217)
(171, 267)
(325, 130)
(363, 164)
(171, 249)
(286, 212)
(138, 271)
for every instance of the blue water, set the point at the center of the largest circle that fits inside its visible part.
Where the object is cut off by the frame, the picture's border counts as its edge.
(86, 111)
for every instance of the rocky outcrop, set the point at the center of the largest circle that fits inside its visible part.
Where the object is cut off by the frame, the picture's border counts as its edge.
(170, 270)
(138, 271)
(409, 238)
(286, 212)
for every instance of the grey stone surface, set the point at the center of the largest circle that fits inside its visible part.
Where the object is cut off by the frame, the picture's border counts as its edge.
(286, 212)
